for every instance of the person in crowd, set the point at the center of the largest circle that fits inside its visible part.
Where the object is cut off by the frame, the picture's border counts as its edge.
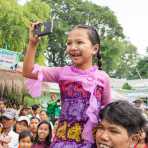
(1, 126)
(25, 139)
(52, 106)
(139, 103)
(146, 132)
(54, 129)
(36, 110)
(25, 111)
(44, 135)
(43, 115)
(2, 106)
(22, 124)
(58, 109)
(85, 87)
(143, 138)
(34, 121)
(8, 137)
(120, 127)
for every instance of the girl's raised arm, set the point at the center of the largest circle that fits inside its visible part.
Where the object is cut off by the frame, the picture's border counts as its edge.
(29, 59)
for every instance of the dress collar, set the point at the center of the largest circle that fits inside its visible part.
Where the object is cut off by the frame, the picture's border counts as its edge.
(84, 72)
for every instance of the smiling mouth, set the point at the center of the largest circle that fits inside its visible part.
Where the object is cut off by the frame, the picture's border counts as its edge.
(104, 146)
(75, 54)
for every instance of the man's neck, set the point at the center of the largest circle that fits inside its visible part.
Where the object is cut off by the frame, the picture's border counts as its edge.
(6, 130)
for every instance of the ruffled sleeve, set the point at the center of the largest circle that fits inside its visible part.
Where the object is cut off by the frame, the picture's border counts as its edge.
(34, 86)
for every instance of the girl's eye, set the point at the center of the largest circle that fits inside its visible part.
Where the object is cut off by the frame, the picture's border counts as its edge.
(68, 43)
(79, 42)
(99, 127)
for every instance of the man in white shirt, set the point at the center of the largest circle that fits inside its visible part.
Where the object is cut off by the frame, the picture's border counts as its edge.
(8, 137)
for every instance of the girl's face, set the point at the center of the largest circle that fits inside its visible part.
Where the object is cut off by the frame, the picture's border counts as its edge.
(43, 116)
(25, 142)
(21, 126)
(80, 48)
(43, 131)
(33, 125)
(110, 135)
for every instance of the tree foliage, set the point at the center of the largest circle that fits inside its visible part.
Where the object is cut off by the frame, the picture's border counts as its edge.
(142, 68)
(118, 55)
(68, 13)
(15, 20)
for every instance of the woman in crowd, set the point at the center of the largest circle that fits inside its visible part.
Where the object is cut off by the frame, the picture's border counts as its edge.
(34, 121)
(44, 135)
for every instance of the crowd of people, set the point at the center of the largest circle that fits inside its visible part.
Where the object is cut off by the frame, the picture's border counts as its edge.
(25, 128)
(88, 118)
(121, 125)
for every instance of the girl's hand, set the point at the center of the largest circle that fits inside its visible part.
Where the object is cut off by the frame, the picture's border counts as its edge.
(33, 38)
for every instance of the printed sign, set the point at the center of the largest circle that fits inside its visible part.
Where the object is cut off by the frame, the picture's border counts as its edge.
(9, 59)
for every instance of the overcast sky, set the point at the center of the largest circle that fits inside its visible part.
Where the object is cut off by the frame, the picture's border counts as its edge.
(133, 17)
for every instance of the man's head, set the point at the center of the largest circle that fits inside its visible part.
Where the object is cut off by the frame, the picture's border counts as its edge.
(36, 109)
(53, 96)
(139, 103)
(24, 111)
(8, 118)
(119, 126)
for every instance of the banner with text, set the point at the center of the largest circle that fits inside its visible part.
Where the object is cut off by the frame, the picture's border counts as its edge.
(9, 59)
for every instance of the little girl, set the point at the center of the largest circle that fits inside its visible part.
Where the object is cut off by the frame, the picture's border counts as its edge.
(84, 87)
(25, 139)
(44, 135)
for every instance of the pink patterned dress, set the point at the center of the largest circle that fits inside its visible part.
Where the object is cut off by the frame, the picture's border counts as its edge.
(83, 94)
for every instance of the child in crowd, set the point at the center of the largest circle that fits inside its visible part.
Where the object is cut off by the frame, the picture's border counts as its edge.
(36, 110)
(34, 121)
(22, 124)
(84, 87)
(25, 139)
(44, 135)
(43, 115)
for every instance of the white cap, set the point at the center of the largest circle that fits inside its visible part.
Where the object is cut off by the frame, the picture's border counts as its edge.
(23, 118)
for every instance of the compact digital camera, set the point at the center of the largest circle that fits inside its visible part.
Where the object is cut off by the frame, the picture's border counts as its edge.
(42, 29)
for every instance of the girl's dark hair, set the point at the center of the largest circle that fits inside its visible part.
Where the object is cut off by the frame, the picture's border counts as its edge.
(25, 134)
(35, 107)
(43, 111)
(94, 38)
(34, 117)
(48, 138)
(124, 114)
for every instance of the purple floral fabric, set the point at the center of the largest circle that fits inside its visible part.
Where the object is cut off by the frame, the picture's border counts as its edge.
(83, 93)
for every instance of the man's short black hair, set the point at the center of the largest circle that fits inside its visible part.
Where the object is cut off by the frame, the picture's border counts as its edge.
(124, 114)
(35, 107)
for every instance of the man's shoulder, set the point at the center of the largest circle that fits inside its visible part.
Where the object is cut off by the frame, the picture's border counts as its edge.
(13, 134)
